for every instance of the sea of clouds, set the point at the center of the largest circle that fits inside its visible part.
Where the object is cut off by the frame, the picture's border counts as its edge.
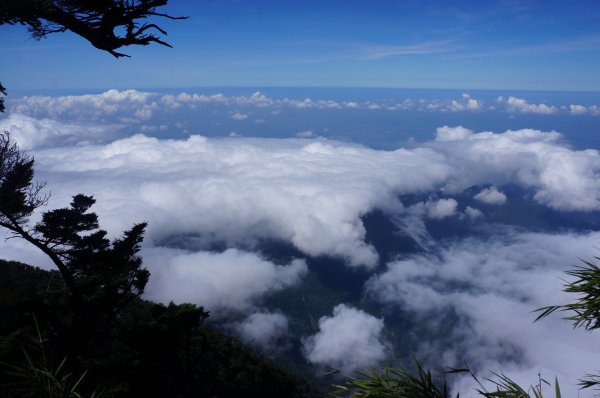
(313, 193)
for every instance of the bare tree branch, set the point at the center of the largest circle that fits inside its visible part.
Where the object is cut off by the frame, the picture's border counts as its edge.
(96, 21)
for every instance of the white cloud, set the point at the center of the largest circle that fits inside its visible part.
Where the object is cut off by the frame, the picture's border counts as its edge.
(263, 329)
(231, 280)
(348, 340)
(470, 104)
(493, 286)
(473, 213)
(593, 110)
(132, 106)
(577, 109)
(447, 133)
(324, 104)
(313, 195)
(473, 104)
(306, 134)
(236, 189)
(514, 104)
(491, 196)
(108, 106)
(441, 208)
(239, 116)
(375, 52)
(561, 178)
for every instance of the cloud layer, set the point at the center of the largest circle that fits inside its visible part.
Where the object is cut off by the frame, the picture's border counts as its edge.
(492, 287)
(132, 106)
(201, 194)
(310, 193)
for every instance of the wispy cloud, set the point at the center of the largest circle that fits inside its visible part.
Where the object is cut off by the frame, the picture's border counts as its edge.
(428, 47)
(580, 44)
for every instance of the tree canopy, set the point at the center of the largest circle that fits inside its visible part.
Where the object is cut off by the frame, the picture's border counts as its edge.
(99, 275)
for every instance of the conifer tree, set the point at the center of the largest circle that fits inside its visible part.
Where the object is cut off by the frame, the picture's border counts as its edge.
(102, 277)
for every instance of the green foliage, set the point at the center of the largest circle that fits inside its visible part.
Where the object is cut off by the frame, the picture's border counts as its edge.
(393, 383)
(587, 306)
(38, 378)
(19, 196)
(507, 388)
(107, 276)
(401, 383)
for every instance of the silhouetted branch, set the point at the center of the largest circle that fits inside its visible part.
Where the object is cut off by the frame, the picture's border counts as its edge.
(96, 21)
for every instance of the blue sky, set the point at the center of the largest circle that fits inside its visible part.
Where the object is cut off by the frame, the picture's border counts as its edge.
(528, 45)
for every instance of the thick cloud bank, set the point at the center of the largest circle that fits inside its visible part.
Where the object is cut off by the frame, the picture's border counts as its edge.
(348, 340)
(493, 287)
(311, 193)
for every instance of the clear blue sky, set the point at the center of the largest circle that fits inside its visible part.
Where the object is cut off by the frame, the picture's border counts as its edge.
(509, 44)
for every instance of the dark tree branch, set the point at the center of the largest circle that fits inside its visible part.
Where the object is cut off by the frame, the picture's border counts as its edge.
(96, 21)
(3, 92)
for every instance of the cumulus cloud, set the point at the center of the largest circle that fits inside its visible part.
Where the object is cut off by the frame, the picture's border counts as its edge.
(263, 329)
(133, 106)
(577, 109)
(447, 133)
(593, 110)
(561, 178)
(229, 281)
(493, 286)
(123, 105)
(349, 339)
(473, 213)
(239, 116)
(491, 196)
(441, 208)
(514, 104)
(470, 104)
